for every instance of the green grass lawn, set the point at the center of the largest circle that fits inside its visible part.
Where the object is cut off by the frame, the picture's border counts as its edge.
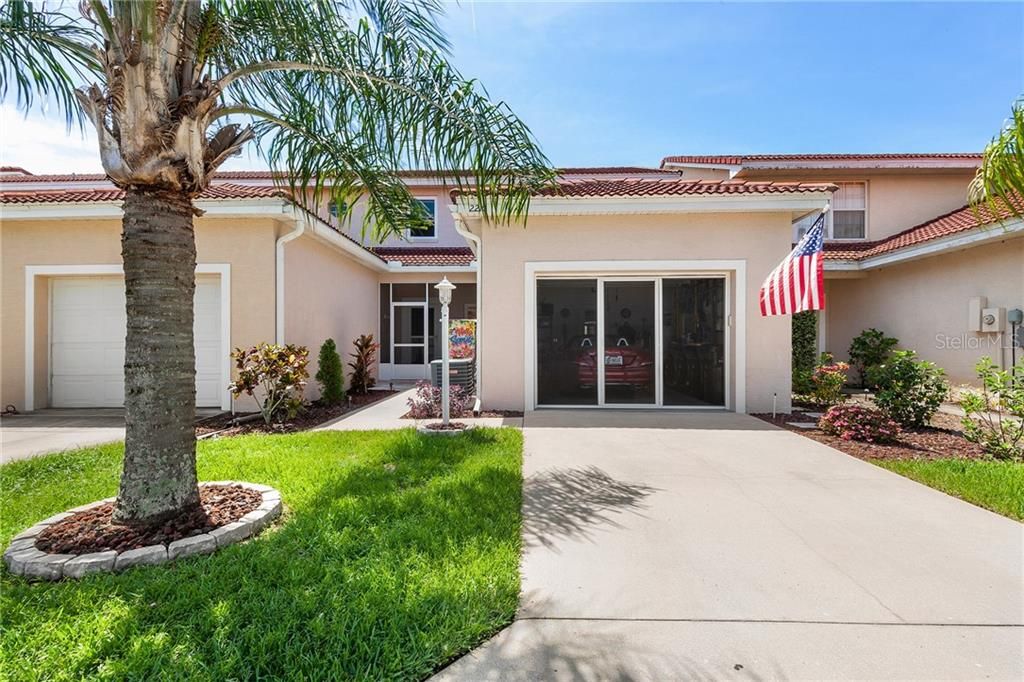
(396, 552)
(991, 484)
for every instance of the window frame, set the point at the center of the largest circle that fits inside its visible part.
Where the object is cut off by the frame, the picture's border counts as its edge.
(829, 226)
(426, 237)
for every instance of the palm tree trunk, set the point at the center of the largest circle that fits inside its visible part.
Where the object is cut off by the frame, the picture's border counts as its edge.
(158, 247)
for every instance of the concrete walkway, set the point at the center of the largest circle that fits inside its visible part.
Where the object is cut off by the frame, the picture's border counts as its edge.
(665, 546)
(387, 414)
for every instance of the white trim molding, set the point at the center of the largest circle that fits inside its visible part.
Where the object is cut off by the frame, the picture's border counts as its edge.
(735, 311)
(33, 271)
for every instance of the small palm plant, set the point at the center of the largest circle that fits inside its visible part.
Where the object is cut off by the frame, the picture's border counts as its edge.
(362, 380)
(999, 182)
(336, 95)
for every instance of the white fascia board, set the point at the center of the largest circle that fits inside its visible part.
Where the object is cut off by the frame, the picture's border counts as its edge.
(809, 201)
(395, 266)
(114, 209)
(841, 265)
(733, 169)
(865, 164)
(975, 237)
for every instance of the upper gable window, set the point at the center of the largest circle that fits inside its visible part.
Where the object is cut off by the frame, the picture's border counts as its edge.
(430, 205)
(849, 211)
(847, 218)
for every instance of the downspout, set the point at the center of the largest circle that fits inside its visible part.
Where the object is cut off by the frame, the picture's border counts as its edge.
(476, 246)
(300, 227)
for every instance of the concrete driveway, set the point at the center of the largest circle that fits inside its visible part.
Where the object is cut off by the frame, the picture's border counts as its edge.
(27, 435)
(714, 546)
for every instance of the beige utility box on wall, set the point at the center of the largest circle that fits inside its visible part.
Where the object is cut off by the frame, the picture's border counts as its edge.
(993, 319)
(974, 307)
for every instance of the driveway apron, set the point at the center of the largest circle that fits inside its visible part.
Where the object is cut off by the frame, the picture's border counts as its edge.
(686, 545)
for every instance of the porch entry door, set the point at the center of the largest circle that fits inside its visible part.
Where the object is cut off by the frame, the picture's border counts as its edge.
(661, 341)
(409, 338)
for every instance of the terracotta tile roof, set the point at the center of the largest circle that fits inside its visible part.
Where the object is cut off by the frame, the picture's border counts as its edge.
(652, 187)
(739, 160)
(72, 196)
(14, 169)
(954, 222)
(429, 256)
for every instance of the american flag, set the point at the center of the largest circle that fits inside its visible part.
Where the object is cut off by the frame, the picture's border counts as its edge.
(798, 282)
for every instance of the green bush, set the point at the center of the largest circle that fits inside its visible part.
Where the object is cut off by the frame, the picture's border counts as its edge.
(330, 375)
(909, 390)
(361, 380)
(805, 341)
(278, 372)
(995, 414)
(868, 350)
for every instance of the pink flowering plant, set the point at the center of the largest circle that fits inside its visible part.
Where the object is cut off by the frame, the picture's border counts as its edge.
(859, 422)
(828, 380)
(426, 402)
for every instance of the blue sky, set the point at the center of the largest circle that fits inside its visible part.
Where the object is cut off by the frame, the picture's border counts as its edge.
(628, 83)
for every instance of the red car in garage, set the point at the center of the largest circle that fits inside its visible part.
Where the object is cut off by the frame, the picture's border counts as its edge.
(624, 365)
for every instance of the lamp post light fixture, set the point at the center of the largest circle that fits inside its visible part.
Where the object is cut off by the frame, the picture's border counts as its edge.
(444, 293)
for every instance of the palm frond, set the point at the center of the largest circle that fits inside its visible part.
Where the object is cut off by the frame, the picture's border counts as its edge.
(44, 54)
(999, 182)
(347, 108)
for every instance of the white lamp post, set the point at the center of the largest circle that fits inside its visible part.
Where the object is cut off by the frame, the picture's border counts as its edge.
(444, 292)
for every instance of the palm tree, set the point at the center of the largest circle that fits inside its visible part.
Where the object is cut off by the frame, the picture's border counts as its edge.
(335, 94)
(999, 183)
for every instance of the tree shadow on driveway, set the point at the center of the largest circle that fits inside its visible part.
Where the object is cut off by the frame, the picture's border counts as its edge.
(570, 503)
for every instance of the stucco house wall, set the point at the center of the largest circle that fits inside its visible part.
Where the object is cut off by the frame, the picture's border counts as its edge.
(759, 239)
(896, 201)
(327, 295)
(924, 302)
(245, 244)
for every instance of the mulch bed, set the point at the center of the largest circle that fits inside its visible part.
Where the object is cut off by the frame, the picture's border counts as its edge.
(92, 530)
(311, 416)
(491, 414)
(452, 426)
(942, 440)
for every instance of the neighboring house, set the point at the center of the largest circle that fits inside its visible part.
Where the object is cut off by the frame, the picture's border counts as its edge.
(656, 271)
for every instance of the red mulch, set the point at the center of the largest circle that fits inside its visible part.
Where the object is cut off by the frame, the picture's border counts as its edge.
(942, 440)
(311, 416)
(452, 426)
(92, 531)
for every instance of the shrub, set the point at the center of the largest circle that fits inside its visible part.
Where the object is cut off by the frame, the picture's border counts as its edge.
(805, 341)
(909, 390)
(330, 375)
(426, 402)
(828, 380)
(859, 422)
(868, 350)
(995, 415)
(361, 380)
(279, 372)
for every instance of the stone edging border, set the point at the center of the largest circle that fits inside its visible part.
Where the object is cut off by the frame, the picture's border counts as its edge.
(24, 559)
(439, 432)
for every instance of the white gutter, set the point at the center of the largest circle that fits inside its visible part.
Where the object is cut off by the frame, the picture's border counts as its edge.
(300, 227)
(476, 246)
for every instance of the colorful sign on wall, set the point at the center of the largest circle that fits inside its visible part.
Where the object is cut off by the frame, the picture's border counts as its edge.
(462, 339)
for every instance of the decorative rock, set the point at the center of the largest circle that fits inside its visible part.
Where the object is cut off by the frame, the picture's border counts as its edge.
(144, 556)
(803, 425)
(33, 531)
(441, 432)
(235, 531)
(87, 507)
(260, 488)
(197, 544)
(97, 562)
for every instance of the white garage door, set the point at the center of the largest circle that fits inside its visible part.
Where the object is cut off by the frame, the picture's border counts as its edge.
(87, 342)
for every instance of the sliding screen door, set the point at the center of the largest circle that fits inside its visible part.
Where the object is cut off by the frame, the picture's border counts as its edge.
(693, 331)
(567, 342)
